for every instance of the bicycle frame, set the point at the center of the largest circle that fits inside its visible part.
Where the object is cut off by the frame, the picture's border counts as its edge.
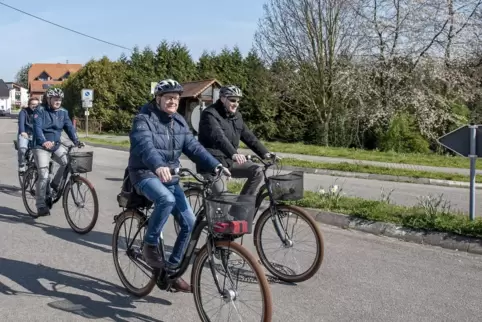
(68, 174)
(265, 191)
(199, 225)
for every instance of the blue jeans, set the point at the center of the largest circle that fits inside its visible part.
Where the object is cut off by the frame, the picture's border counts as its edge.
(167, 200)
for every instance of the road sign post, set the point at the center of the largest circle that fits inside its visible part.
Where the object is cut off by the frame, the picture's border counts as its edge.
(473, 159)
(467, 142)
(87, 96)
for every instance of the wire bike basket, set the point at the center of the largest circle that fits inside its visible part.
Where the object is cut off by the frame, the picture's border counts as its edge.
(81, 162)
(230, 214)
(287, 187)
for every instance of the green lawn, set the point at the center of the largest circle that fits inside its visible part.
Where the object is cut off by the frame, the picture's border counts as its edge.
(428, 216)
(344, 166)
(432, 159)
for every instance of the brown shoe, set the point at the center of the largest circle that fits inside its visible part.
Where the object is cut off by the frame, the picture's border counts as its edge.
(181, 285)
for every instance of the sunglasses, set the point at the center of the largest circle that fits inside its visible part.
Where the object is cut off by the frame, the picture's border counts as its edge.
(233, 100)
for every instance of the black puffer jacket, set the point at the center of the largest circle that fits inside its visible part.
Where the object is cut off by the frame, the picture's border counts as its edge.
(220, 135)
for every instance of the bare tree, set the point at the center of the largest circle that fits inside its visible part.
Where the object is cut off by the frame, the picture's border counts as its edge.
(311, 35)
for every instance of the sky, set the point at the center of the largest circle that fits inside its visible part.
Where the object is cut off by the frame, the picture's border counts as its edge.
(200, 25)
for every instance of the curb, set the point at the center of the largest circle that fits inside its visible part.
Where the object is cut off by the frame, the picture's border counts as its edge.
(467, 244)
(359, 175)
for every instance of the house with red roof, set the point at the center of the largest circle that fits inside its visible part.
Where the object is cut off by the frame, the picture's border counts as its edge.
(42, 76)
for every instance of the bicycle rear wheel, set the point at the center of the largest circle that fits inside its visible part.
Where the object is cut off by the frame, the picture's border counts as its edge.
(129, 222)
(79, 199)
(230, 294)
(283, 215)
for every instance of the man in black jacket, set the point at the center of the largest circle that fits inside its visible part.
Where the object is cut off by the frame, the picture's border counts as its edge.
(220, 129)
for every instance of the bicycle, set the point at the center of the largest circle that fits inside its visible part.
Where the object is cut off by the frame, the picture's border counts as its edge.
(28, 159)
(222, 229)
(278, 188)
(78, 163)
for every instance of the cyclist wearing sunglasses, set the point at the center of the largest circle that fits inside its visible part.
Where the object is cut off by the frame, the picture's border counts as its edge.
(221, 127)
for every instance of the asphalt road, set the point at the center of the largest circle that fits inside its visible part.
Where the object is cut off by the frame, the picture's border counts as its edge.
(49, 273)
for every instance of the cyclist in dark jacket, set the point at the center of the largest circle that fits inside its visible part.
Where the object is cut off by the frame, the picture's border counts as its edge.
(158, 137)
(25, 130)
(221, 127)
(48, 123)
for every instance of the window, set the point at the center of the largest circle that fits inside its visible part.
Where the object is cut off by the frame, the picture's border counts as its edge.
(17, 95)
(44, 77)
(66, 75)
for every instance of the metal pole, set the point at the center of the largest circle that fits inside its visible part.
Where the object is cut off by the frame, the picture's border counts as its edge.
(87, 123)
(473, 158)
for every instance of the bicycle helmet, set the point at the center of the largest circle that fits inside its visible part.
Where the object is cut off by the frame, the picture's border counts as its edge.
(230, 91)
(168, 86)
(54, 92)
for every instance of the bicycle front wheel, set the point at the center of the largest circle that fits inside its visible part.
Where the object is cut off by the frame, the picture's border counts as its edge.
(296, 229)
(75, 189)
(219, 286)
(29, 191)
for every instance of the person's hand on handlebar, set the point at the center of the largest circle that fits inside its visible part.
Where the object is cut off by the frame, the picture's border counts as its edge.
(271, 156)
(239, 158)
(164, 173)
(48, 145)
(80, 144)
(222, 169)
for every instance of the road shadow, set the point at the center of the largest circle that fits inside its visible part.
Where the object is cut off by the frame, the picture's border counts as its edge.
(94, 239)
(40, 280)
(114, 179)
(11, 190)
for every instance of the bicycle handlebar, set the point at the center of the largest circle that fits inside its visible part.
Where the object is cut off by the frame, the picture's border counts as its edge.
(183, 172)
(71, 146)
(271, 161)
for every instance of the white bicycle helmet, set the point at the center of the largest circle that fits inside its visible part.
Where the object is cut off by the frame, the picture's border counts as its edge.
(168, 86)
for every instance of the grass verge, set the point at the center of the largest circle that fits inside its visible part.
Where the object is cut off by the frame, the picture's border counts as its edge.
(429, 159)
(432, 159)
(420, 217)
(343, 166)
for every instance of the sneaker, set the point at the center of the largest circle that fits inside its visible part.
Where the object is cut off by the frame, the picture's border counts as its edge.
(22, 169)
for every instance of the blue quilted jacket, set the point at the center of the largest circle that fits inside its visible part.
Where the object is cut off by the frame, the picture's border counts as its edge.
(158, 140)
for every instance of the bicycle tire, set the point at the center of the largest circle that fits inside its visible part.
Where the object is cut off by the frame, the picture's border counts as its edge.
(263, 282)
(260, 223)
(66, 209)
(30, 171)
(139, 292)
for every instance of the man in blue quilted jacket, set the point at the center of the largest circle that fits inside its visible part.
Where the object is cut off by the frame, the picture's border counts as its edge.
(158, 137)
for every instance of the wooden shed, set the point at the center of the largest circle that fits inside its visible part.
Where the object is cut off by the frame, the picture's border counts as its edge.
(202, 93)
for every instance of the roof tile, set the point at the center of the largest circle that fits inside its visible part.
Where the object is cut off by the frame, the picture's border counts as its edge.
(193, 89)
(54, 70)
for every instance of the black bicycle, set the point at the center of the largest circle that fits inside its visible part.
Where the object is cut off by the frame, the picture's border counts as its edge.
(278, 189)
(28, 159)
(223, 225)
(70, 185)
